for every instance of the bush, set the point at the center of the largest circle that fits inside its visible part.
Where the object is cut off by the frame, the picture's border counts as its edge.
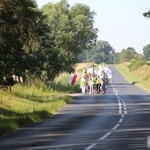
(135, 64)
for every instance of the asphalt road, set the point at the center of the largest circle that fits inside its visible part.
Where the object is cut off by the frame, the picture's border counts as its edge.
(118, 120)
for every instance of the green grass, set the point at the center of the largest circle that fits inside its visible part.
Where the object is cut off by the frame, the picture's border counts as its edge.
(135, 79)
(33, 101)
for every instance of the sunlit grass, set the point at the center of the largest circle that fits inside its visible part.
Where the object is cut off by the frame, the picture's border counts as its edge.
(135, 77)
(32, 101)
(35, 100)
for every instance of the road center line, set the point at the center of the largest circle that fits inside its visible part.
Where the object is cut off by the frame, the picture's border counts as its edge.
(121, 120)
(105, 136)
(91, 146)
(122, 116)
(122, 105)
(116, 126)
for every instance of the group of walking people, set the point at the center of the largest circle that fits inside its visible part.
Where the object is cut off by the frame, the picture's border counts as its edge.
(93, 83)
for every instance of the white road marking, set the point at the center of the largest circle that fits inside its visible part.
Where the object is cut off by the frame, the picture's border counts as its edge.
(116, 126)
(122, 105)
(125, 112)
(91, 146)
(121, 120)
(122, 116)
(105, 136)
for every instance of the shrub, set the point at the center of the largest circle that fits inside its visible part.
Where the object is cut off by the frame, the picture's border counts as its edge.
(135, 64)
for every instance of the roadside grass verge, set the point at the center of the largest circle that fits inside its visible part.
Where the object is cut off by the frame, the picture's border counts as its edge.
(33, 101)
(139, 77)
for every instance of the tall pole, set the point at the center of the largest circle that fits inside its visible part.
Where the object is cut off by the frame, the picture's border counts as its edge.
(93, 68)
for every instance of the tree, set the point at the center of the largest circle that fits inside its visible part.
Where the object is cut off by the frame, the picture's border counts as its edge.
(102, 52)
(19, 35)
(146, 49)
(126, 55)
(72, 29)
(43, 61)
(146, 52)
(147, 14)
(44, 42)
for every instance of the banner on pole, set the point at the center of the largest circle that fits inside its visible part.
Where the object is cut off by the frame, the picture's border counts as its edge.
(72, 79)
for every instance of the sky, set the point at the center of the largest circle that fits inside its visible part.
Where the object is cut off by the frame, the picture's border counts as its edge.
(120, 22)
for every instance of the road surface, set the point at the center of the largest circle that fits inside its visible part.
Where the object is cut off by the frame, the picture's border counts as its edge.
(118, 120)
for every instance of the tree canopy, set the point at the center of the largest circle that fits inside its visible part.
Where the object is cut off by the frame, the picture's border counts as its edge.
(19, 36)
(72, 30)
(101, 52)
(147, 14)
(43, 42)
(126, 55)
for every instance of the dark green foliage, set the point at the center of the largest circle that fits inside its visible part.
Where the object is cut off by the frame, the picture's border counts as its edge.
(19, 36)
(44, 43)
(147, 14)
